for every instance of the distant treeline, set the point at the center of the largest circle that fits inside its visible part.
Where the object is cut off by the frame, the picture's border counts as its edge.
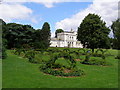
(16, 35)
(90, 30)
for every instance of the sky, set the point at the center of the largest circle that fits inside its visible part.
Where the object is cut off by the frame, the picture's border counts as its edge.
(60, 14)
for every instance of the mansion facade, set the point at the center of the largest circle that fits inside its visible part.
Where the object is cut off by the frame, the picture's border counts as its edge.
(66, 39)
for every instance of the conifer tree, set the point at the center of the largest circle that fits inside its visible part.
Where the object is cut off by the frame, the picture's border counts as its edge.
(45, 35)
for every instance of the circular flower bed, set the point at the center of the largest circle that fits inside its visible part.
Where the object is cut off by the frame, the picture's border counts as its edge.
(60, 70)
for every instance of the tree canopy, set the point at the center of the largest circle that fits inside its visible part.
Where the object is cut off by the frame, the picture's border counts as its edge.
(116, 31)
(17, 35)
(93, 33)
(3, 41)
(45, 35)
(58, 31)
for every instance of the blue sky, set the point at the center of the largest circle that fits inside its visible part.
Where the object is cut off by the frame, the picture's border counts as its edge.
(52, 15)
(58, 13)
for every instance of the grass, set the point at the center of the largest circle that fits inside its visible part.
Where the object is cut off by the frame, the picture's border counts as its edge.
(19, 73)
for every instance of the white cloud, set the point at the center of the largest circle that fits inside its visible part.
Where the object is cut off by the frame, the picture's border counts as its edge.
(107, 10)
(46, 3)
(9, 12)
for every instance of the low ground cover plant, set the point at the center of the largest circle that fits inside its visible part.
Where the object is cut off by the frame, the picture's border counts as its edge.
(61, 70)
(95, 59)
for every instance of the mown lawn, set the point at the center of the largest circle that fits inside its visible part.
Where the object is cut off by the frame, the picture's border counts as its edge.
(19, 73)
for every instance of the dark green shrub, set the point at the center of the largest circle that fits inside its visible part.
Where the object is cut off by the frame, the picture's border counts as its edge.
(53, 50)
(101, 51)
(103, 56)
(50, 67)
(26, 46)
(87, 57)
(66, 50)
(18, 51)
(31, 56)
(4, 54)
(94, 61)
(117, 57)
(3, 49)
(96, 55)
(84, 51)
(51, 71)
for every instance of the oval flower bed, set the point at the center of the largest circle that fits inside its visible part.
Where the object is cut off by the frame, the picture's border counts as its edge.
(61, 70)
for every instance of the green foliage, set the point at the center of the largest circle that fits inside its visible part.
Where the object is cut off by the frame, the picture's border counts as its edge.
(66, 50)
(87, 58)
(97, 62)
(38, 41)
(100, 53)
(58, 31)
(19, 34)
(4, 54)
(117, 57)
(45, 33)
(53, 50)
(116, 30)
(18, 51)
(93, 33)
(51, 71)
(31, 56)
(82, 51)
(90, 60)
(51, 65)
(20, 70)
(41, 39)
(93, 61)
(3, 41)
(26, 46)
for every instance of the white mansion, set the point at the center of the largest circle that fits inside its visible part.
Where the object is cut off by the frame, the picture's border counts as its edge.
(66, 39)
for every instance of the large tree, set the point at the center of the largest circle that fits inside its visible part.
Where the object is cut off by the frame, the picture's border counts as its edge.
(93, 33)
(3, 41)
(116, 31)
(45, 35)
(18, 34)
(37, 38)
(58, 31)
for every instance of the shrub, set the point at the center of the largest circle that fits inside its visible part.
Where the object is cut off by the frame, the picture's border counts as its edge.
(51, 71)
(87, 58)
(26, 46)
(66, 50)
(4, 54)
(3, 45)
(31, 56)
(53, 50)
(117, 57)
(101, 50)
(50, 67)
(94, 61)
(18, 51)
(96, 55)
